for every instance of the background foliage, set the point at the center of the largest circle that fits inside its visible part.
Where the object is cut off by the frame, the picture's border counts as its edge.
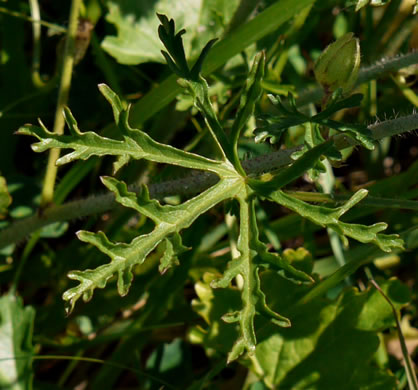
(168, 331)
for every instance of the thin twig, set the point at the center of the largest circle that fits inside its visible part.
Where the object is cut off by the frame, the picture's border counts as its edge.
(409, 368)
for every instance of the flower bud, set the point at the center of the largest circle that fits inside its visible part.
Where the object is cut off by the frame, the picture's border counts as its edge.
(338, 65)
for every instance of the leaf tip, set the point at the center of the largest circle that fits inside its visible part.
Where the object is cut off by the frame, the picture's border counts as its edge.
(82, 235)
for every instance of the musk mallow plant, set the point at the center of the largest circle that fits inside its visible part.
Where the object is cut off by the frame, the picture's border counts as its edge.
(253, 256)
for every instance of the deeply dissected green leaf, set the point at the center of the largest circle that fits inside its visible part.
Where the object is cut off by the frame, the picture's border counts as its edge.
(275, 125)
(153, 210)
(358, 132)
(200, 93)
(176, 57)
(173, 248)
(338, 104)
(193, 82)
(136, 23)
(174, 43)
(5, 198)
(253, 256)
(16, 327)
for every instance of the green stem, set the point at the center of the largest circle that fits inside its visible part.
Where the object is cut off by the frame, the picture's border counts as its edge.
(381, 130)
(195, 183)
(36, 30)
(63, 94)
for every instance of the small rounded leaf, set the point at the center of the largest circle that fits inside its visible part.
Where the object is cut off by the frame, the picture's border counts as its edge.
(338, 65)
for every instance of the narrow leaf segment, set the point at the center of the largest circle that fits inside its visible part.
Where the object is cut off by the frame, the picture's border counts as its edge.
(135, 143)
(253, 257)
(169, 221)
(331, 218)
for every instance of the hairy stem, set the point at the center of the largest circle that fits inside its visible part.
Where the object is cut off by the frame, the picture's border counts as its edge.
(63, 94)
(194, 183)
(381, 130)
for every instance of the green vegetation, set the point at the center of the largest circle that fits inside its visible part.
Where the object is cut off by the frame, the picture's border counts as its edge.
(246, 219)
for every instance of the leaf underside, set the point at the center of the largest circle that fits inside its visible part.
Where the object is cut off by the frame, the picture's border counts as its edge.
(253, 257)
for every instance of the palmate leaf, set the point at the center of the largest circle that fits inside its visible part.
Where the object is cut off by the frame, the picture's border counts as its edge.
(169, 221)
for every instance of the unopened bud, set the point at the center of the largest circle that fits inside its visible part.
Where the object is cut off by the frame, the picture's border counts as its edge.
(338, 65)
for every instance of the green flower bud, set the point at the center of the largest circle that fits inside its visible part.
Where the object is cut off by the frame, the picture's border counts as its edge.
(338, 65)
